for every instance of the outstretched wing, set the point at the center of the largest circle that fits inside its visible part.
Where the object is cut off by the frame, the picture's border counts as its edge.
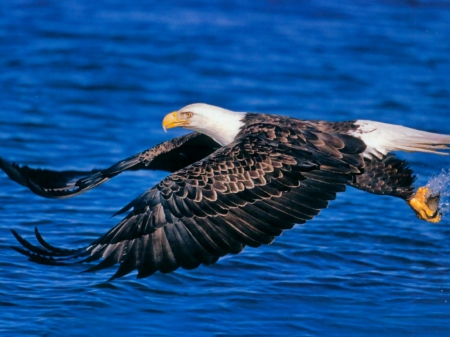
(246, 193)
(171, 156)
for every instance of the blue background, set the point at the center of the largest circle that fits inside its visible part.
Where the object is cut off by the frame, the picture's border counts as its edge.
(84, 84)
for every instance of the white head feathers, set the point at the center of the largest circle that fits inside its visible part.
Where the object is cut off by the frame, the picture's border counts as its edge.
(220, 124)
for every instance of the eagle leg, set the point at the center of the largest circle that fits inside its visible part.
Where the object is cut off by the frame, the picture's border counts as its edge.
(425, 205)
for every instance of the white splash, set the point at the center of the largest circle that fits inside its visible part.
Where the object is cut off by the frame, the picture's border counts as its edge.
(441, 184)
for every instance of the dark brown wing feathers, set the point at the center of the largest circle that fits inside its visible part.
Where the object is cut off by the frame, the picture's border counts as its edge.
(277, 173)
(169, 156)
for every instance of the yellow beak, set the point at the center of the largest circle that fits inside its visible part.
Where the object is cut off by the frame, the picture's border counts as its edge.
(171, 121)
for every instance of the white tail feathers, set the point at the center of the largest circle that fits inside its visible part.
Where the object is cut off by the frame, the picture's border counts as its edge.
(382, 138)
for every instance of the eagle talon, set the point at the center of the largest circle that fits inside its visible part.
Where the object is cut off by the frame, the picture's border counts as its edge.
(425, 205)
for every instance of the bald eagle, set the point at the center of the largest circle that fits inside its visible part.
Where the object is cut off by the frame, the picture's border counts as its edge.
(239, 179)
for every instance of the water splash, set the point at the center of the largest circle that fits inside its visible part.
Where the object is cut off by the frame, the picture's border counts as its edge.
(441, 184)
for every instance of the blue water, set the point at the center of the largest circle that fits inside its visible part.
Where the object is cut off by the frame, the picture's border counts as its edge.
(84, 84)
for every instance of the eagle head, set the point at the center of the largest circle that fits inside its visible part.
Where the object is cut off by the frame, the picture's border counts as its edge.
(220, 124)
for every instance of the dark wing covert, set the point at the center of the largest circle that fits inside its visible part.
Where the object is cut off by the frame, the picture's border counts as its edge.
(246, 193)
(171, 156)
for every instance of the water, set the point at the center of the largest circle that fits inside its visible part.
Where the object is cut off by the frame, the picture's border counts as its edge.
(440, 183)
(86, 83)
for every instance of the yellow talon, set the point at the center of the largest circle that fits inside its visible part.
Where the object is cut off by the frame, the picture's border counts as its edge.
(425, 205)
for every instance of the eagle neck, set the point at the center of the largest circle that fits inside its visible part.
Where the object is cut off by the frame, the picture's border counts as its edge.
(225, 126)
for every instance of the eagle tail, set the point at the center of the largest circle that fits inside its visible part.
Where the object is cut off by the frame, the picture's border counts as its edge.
(412, 140)
(382, 138)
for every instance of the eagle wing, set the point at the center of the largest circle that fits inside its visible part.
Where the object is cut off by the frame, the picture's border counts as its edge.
(246, 193)
(169, 156)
